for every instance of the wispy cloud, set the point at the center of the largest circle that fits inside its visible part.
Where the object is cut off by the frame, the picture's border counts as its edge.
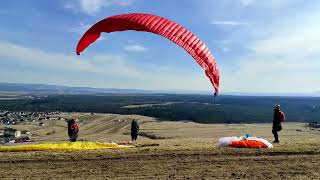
(225, 45)
(109, 66)
(229, 23)
(135, 48)
(226, 41)
(91, 7)
(247, 2)
(273, 4)
(226, 49)
(79, 29)
(284, 58)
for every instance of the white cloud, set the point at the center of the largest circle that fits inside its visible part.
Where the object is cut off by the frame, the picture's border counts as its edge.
(272, 4)
(224, 45)
(271, 75)
(296, 42)
(80, 29)
(91, 7)
(107, 67)
(135, 48)
(226, 49)
(107, 64)
(229, 23)
(283, 58)
(247, 2)
(226, 41)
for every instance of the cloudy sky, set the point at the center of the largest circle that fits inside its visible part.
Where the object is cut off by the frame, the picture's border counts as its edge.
(260, 46)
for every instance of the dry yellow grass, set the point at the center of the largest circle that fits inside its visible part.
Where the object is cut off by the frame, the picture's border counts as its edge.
(188, 152)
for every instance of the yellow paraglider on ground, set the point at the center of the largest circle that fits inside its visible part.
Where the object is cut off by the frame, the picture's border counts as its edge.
(47, 146)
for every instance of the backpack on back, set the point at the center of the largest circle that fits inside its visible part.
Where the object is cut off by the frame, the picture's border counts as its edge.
(281, 116)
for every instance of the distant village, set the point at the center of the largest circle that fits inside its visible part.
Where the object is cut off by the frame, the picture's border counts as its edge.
(14, 118)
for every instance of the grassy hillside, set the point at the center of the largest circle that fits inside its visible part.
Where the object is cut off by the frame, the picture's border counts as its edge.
(187, 151)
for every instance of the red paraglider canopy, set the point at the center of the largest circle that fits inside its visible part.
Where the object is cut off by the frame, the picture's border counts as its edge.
(161, 26)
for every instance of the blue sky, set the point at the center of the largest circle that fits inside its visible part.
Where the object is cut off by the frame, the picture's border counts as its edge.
(260, 46)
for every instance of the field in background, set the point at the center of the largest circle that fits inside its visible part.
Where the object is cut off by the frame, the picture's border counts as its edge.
(116, 128)
(174, 107)
(184, 150)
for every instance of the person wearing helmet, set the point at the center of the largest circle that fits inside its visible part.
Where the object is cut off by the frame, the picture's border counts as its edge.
(278, 117)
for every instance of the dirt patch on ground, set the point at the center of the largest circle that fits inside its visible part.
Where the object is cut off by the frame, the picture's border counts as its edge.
(153, 163)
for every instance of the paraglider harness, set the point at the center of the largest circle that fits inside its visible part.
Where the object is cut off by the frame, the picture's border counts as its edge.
(278, 118)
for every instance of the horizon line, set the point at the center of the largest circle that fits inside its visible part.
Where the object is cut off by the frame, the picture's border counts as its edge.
(202, 92)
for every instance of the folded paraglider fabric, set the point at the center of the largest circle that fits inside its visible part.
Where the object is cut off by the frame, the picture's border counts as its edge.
(20, 142)
(62, 146)
(244, 142)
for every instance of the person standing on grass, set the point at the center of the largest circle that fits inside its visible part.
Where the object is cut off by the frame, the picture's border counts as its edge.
(134, 130)
(278, 118)
(73, 130)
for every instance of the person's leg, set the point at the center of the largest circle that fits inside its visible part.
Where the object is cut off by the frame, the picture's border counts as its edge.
(275, 134)
(276, 137)
(73, 138)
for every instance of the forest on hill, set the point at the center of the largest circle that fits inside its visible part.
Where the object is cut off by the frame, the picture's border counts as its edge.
(175, 107)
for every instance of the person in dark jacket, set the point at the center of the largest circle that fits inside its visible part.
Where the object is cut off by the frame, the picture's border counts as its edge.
(134, 130)
(278, 117)
(73, 130)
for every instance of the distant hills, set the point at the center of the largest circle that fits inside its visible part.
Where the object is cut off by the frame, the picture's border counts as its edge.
(54, 89)
(232, 108)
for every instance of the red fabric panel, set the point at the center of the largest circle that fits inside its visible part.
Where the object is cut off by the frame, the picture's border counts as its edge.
(248, 144)
(161, 26)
